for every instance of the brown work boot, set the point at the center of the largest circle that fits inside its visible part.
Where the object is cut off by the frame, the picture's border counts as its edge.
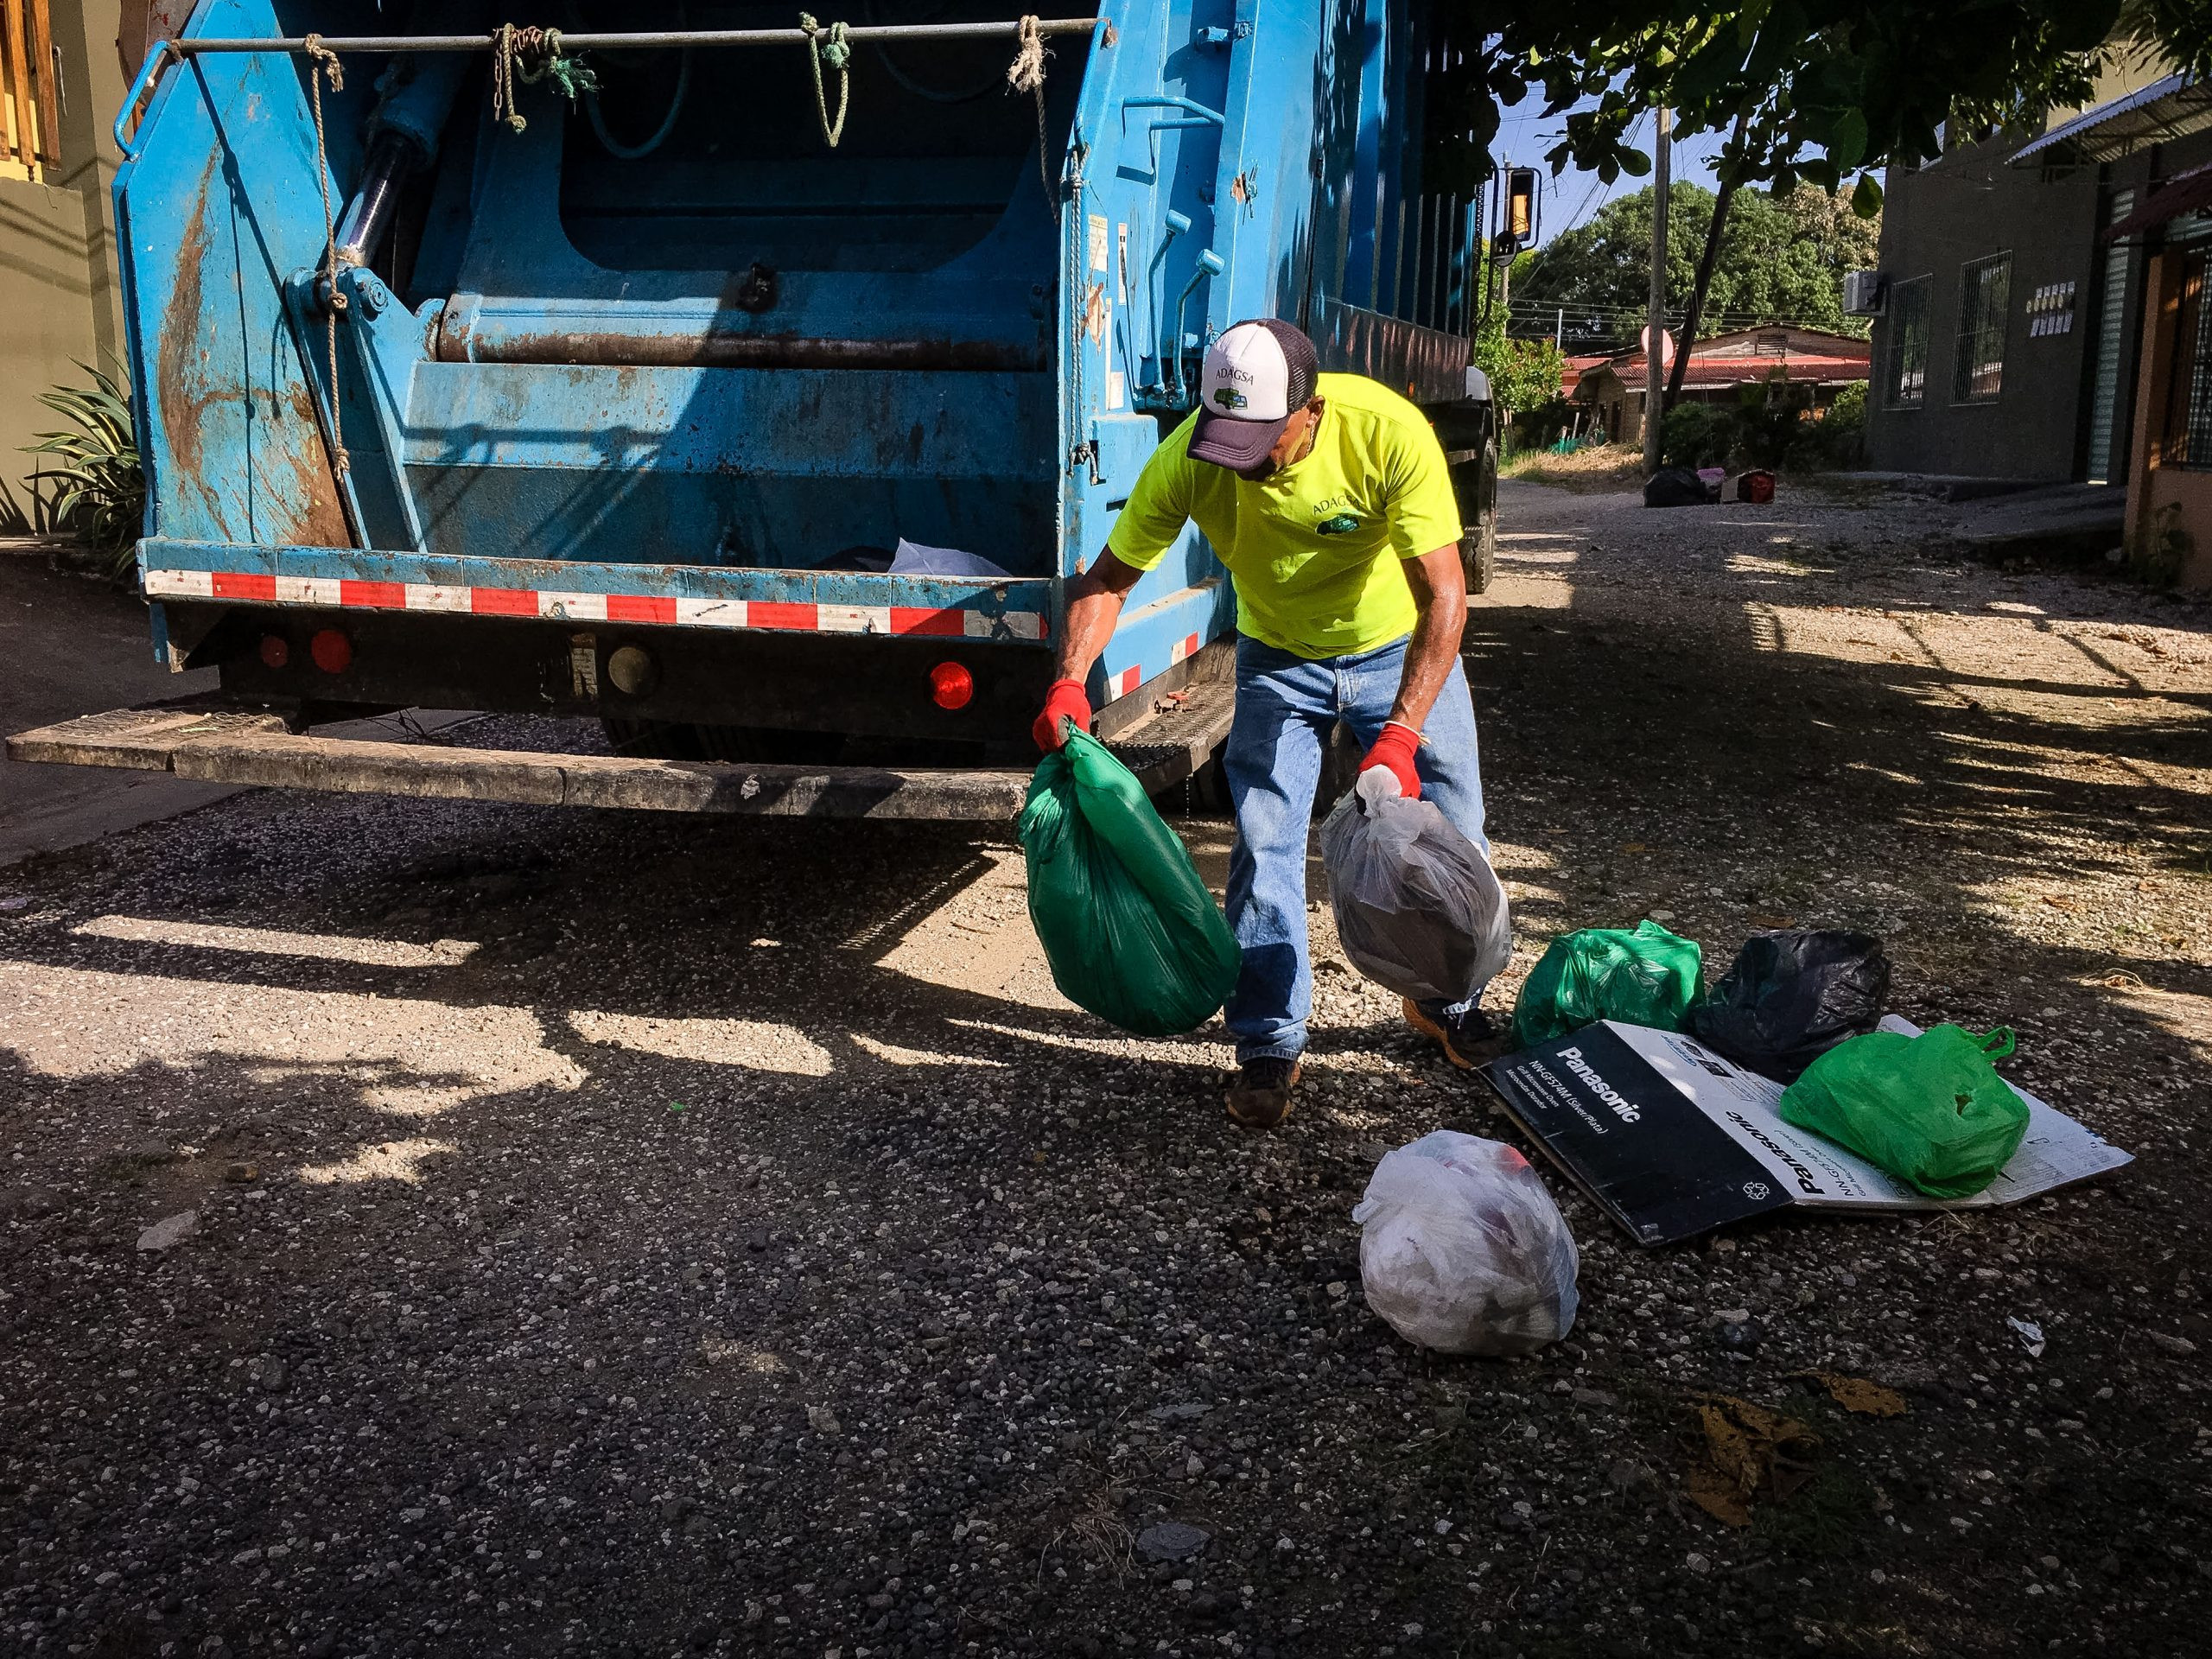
(1470, 1039)
(1259, 1094)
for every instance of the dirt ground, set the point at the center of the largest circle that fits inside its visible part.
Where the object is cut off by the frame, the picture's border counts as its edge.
(70, 646)
(636, 1235)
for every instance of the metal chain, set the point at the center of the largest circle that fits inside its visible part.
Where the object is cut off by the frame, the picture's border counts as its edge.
(322, 61)
(1079, 303)
(503, 77)
(829, 45)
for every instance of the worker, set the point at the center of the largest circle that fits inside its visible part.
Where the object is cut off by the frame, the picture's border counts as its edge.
(1327, 498)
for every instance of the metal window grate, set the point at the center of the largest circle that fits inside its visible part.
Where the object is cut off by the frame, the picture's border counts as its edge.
(1906, 383)
(2189, 432)
(1985, 295)
(30, 105)
(2106, 440)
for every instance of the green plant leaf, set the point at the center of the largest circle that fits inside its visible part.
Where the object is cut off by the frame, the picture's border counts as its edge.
(104, 500)
(1847, 140)
(1866, 196)
(14, 520)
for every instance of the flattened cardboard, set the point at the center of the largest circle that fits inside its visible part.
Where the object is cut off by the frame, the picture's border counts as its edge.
(1672, 1141)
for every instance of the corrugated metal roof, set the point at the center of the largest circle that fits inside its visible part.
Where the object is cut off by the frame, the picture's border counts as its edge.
(1741, 371)
(2185, 193)
(2171, 108)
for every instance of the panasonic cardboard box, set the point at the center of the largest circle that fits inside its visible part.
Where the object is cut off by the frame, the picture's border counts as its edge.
(1672, 1141)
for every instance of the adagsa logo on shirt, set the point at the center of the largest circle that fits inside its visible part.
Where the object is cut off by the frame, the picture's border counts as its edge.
(1342, 525)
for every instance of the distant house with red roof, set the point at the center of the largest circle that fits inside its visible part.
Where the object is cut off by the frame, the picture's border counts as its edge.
(1571, 376)
(1812, 364)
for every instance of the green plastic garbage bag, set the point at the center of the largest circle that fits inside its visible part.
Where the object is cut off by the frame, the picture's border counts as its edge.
(1931, 1110)
(1649, 977)
(1131, 932)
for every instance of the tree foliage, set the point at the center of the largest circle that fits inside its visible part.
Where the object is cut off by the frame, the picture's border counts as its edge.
(1525, 375)
(1829, 91)
(1779, 261)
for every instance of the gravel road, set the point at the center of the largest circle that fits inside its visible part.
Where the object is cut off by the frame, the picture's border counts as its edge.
(631, 1235)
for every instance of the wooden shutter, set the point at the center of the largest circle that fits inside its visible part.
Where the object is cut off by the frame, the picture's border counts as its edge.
(30, 106)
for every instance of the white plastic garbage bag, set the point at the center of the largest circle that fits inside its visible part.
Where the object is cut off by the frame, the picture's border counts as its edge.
(1418, 910)
(912, 559)
(1462, 1249)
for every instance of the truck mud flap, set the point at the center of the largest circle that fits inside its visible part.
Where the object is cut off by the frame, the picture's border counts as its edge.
(254, 749)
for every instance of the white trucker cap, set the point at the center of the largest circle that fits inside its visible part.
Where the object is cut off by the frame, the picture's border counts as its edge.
(1255, 376)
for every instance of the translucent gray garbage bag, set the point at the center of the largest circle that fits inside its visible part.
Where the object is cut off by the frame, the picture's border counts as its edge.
(1461, 1249)
(1419, 909)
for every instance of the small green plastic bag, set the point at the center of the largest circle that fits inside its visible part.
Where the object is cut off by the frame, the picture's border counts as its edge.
(1131, 932)
(1931, 1110)
(1649, 977)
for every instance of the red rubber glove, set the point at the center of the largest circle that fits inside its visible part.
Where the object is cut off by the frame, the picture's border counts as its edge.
(1395, 749)
(1064, 701)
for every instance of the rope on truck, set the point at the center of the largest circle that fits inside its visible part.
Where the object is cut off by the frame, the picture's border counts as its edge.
(322, 63)
(515, 51)
(1027, 74)
(829, 45)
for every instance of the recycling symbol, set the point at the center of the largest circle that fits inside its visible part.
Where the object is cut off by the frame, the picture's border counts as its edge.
(1756, 1190)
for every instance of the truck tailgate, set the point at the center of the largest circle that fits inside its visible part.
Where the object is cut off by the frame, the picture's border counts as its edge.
(211, 742)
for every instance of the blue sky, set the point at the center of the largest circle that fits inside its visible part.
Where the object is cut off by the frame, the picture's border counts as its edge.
(1525, 134)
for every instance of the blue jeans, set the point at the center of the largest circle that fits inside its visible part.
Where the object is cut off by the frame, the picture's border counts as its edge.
(1286, 706)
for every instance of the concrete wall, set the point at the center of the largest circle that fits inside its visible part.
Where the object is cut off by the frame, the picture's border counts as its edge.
(60, 303)
(1970, 204)
(1964, 206)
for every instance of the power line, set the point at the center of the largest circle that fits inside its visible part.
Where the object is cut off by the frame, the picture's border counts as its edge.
(1598, 183)
(1732, 321)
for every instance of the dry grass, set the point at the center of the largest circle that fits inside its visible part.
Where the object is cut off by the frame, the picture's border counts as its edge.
(1097, 1528)
(1603, 468)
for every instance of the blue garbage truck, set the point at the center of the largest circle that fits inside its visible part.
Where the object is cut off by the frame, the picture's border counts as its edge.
(749, 383)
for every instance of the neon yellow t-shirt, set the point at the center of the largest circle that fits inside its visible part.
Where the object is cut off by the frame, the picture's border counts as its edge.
(1306, 547)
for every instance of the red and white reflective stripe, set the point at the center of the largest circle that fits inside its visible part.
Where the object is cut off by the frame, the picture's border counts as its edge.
(1187, 646)
(344, 592)
(1127, 681)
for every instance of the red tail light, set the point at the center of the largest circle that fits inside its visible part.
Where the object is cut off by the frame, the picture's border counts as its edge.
(275, 651)
(951, 686)
(331, 651)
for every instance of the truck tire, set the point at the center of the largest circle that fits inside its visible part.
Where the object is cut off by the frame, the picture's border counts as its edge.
(1206, 791)
(664, 740)
(1479, 547)
(1478, 554)
(1340, 758)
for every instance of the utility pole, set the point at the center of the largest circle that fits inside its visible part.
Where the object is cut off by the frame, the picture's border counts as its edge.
(1559, 331)
(1655, 334)
(1505, 270)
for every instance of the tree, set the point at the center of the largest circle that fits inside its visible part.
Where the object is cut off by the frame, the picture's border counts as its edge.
(1826, 90)
(1777, 260)
(1525, 375)
(1820, 89)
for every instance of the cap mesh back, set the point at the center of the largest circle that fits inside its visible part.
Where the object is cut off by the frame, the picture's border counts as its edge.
(1298, 355)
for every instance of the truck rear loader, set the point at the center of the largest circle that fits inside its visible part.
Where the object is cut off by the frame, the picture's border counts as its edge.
(751, 384)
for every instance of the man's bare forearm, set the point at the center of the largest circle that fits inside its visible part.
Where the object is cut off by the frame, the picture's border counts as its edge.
(1441, 593)
(1094, 608)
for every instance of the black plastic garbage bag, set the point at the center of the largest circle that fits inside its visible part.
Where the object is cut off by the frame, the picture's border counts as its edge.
(1418, 910)
(1674, 486)
(1790, 996)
